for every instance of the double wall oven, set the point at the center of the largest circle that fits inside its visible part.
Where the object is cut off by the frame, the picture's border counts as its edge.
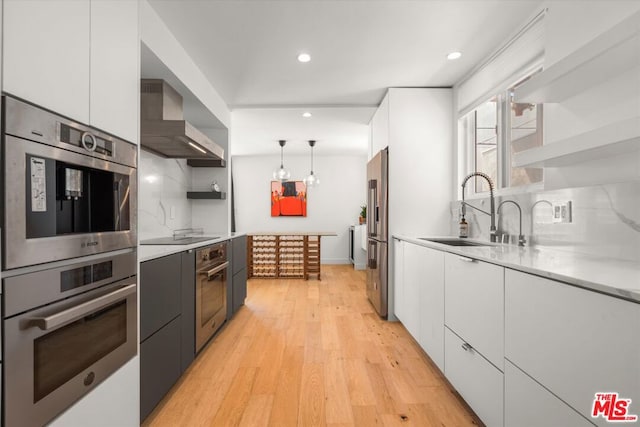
(68, 258)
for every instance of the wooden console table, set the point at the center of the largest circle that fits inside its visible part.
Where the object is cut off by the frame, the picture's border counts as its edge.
(284, 255)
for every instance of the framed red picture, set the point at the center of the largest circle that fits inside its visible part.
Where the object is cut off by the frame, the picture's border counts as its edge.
(288, 198)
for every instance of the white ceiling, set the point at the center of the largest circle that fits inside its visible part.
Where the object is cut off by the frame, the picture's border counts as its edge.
(248, 50)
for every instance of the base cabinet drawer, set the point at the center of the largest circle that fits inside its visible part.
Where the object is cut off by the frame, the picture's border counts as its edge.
(474, 304)
(159, 365)
(574, 342)
(528, 404)
(478, 381)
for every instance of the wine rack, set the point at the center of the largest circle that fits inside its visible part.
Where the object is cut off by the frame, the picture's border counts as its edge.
(283, 256)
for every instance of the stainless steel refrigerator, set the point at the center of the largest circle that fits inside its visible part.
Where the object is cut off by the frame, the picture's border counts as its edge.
(377, 230)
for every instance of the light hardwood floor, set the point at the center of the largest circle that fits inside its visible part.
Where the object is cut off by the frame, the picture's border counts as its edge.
(307, 353)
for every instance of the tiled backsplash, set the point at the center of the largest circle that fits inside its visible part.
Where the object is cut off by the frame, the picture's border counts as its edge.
(162, 195)
(605, 220)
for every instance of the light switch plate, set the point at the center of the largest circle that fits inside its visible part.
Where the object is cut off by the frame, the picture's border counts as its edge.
(562, 212)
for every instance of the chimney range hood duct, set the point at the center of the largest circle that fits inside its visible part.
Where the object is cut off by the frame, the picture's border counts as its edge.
(164, 131)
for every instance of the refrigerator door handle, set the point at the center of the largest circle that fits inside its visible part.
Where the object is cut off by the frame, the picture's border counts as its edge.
(372, 255)
(372, 210)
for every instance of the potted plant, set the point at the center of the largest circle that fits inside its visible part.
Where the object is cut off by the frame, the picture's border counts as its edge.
(363, 214)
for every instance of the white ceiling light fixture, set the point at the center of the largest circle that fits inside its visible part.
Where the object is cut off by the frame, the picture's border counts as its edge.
(281, 174)
(454, 55)
(306, 115)
(304, 57)
(312, 180)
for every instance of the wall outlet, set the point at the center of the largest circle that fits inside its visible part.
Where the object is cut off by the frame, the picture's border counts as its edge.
(172, 212)
(562, 212)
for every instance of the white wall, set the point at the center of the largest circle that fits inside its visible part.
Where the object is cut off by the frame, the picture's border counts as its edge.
(333, 206)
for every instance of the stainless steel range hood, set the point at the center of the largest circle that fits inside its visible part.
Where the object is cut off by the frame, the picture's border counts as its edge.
(163, 129)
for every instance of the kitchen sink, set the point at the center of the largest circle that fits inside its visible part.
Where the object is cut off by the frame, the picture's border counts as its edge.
(454, 241)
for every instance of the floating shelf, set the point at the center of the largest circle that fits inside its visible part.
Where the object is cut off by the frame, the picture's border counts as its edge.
(614, 139)
(216, 195)
(207, 163)
(611, 54)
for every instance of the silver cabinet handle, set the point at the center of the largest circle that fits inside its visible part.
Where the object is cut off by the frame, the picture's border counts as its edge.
(466, 347)
(74, 313)
(214, 270)
(465, 259)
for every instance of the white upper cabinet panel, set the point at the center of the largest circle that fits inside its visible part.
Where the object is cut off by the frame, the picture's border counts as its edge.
(380, 128)
(115, 77)
(46, 54)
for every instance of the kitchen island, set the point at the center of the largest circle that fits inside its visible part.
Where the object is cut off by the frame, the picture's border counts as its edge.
(292, 254)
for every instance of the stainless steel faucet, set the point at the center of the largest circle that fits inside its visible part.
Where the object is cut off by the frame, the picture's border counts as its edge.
(492, 214)
(521, 239)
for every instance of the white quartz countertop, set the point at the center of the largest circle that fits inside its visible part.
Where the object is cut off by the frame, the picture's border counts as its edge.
(615, 277)
(149, 252)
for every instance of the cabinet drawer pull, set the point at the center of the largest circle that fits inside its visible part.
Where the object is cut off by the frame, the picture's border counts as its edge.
(465, 259)
(466, 347)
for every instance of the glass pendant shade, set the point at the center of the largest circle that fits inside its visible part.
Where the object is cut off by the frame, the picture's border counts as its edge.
(281, 174)
(312, 179)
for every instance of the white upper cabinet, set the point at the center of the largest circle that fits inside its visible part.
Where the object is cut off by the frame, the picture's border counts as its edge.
(78, 58)
(46, 54)
(115, 61)
(380, 128)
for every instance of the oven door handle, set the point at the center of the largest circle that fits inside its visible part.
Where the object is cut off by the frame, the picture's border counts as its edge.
(71, 314)
(214, 270)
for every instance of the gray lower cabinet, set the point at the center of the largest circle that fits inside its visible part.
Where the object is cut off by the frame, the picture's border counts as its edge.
(188, 303)
(160, 365)
(167, 328)
(239, 273)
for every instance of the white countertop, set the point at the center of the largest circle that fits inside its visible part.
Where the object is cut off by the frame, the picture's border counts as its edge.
(149, 252)
(615, 277)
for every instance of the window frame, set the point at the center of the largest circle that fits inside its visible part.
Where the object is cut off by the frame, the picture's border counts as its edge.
(467, 145)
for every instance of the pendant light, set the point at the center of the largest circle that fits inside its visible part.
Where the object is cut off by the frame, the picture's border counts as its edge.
(281, 174)
(312, 180)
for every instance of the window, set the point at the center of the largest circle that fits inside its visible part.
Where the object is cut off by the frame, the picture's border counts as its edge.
(525, 132)
(493, 132)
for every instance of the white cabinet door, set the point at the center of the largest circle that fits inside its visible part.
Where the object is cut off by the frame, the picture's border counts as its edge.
(414, 277)
(477, 380)
(380, 128)
(528, 404)
(431, 310)
(474, 304)
(398, 279)
(115, 77)
(420, 298)
(574, 342)
(46, 54)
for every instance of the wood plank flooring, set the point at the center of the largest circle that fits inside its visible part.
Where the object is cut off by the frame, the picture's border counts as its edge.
(312, 353)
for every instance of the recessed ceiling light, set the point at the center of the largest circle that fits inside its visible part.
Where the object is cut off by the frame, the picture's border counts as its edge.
(454, 55)
(306, 114)
(304, 57)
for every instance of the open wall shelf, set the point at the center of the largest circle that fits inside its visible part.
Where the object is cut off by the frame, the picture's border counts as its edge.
(611, 140)
(207, 163)
(611, 54)
(214, 195)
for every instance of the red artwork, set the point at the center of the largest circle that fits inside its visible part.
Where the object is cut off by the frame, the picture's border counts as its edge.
(288, 198)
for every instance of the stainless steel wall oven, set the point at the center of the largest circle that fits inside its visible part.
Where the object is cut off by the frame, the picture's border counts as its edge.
(69, 190)
(66, 329)
(212, 268)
